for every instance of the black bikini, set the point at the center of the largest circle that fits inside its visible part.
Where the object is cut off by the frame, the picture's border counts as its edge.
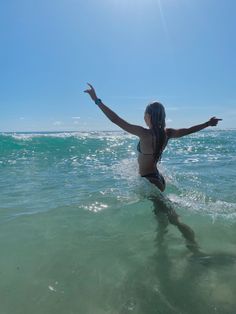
(156, 174)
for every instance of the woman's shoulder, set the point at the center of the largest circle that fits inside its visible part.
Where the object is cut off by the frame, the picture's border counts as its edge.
(169, 132)
(145, 133)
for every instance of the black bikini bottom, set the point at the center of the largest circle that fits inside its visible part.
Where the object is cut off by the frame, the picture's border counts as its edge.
(155, 175)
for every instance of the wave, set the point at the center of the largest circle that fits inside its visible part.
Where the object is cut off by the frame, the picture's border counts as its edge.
(133, 188)
(74, 134)
(213, 208)
(106, 161)
(99, 134)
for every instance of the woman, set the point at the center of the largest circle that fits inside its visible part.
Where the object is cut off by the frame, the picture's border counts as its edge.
(152, 140)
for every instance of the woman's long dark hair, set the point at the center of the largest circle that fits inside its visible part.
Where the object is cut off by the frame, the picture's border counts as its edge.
(158, 115)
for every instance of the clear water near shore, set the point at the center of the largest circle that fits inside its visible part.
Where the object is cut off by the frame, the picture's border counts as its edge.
(78, 232)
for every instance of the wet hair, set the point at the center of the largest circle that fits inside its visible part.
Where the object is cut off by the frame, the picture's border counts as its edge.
(157, 112)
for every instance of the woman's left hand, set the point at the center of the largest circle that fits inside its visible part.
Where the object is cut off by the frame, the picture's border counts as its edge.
(214, 121)
(91, 92)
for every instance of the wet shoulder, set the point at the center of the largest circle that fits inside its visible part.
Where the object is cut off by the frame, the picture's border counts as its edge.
(145, 133)
(169, 133)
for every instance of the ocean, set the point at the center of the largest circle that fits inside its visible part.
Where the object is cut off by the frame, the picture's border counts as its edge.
(79, 234)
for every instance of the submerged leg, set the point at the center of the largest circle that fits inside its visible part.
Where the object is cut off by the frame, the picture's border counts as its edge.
(162, 204)
(186, 232)
(162, 226)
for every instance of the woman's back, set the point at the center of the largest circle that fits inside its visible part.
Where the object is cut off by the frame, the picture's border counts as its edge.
(148, 146)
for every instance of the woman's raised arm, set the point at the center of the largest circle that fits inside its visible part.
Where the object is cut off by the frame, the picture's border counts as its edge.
(113, 117)
(173, 133)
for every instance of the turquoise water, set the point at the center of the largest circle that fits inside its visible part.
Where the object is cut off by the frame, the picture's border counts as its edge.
(79, 235)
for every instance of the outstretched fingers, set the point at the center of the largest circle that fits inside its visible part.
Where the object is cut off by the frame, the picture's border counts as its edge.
(214, 121)
(89, 89)
(217, 120)
(90, 86)
(91, 92)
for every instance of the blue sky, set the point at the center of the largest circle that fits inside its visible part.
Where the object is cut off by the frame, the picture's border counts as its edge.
(179, 52)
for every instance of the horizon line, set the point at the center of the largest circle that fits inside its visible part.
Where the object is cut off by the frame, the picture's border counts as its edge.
(84, 131)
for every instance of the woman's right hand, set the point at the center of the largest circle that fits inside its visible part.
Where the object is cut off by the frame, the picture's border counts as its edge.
(91, 92)
(213, 121)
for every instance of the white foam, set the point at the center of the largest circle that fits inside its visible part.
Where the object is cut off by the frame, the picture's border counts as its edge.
(139, 188)
(198, 203)
(112, 135)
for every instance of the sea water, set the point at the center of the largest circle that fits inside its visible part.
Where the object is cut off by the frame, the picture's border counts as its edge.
(79, 235)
